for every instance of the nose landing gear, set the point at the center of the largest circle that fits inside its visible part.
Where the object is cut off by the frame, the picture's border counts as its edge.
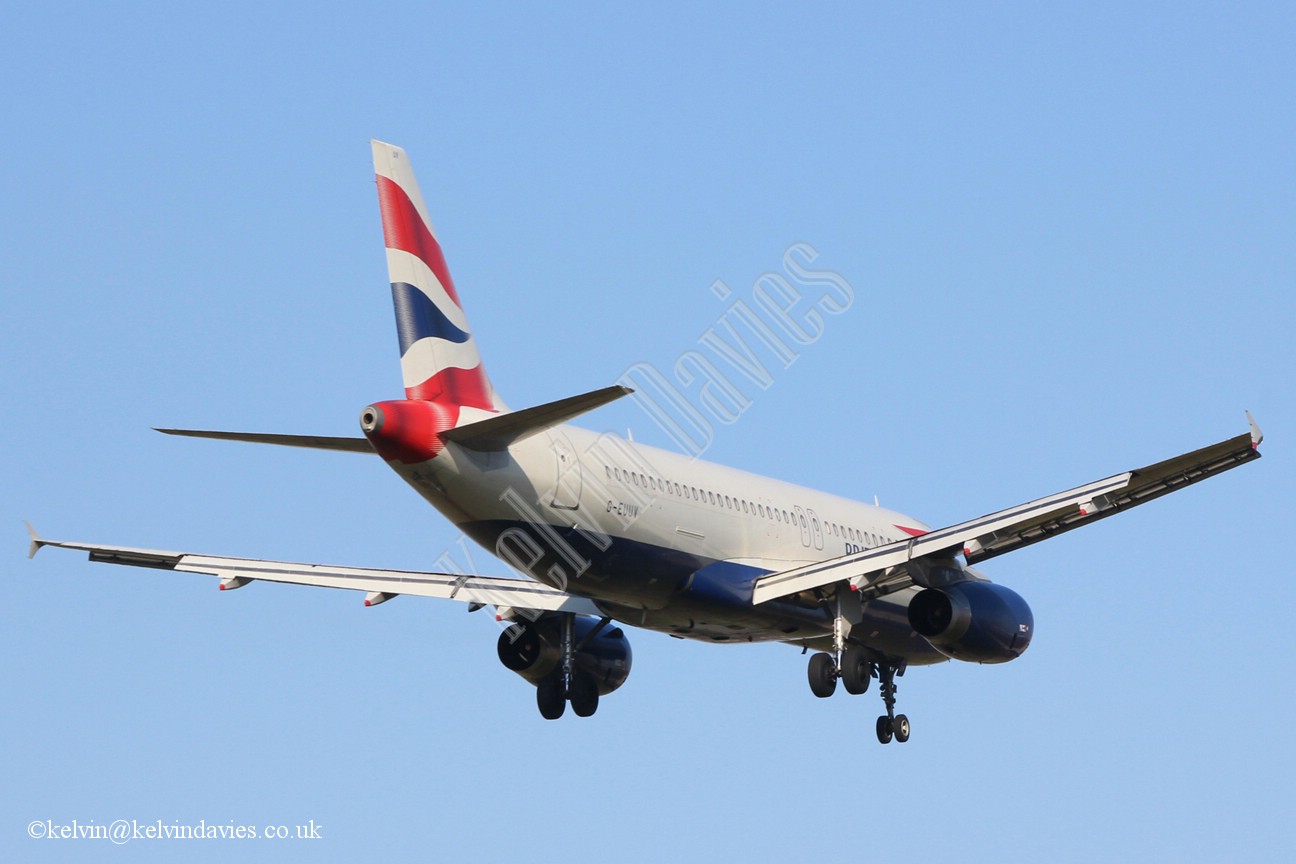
(891, 724)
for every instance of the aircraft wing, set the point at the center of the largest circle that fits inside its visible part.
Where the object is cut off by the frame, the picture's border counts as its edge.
(1003, 531)
(508, 595)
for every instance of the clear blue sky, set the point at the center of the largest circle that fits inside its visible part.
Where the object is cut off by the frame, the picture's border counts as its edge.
(1070, 231)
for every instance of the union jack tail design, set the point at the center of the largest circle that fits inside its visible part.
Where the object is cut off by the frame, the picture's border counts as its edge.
(439, 359)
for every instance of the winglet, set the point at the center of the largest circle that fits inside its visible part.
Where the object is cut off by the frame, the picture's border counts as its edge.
(1256, 435)
(36, 541)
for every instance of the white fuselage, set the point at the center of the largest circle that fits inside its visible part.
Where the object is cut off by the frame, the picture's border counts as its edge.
(660, 540)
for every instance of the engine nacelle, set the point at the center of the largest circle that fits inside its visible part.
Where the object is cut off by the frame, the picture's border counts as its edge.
(533, 649)
(980, 622)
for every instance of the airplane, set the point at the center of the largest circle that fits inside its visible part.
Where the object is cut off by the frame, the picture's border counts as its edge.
(604, 531)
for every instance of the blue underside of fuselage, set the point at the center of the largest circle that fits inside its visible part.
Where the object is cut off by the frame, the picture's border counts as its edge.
(666, 589)
(647, 585)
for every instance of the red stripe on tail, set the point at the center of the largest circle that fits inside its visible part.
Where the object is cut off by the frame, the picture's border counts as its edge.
(455, 386)
(404, 229)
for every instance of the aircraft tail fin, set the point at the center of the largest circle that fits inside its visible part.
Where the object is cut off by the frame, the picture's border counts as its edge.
(439, 359)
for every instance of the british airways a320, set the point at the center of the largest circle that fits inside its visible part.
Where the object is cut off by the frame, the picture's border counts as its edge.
(608, 533)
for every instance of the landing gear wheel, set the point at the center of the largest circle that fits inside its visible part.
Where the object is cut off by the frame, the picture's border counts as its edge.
(900, 725)
(550, 697)
(584, 695)
(884, 731)
(856, 671)
(823, 675)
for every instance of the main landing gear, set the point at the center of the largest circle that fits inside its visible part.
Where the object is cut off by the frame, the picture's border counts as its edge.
(553, 693)
(568, 683)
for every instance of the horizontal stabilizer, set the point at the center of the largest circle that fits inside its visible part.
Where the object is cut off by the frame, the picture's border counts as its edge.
(497, 433)
(315, 442)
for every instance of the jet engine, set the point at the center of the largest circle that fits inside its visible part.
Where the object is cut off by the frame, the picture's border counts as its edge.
(979, 622)
(533, 649)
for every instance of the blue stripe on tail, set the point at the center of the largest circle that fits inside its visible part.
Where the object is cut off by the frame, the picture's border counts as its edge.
(417, 317)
